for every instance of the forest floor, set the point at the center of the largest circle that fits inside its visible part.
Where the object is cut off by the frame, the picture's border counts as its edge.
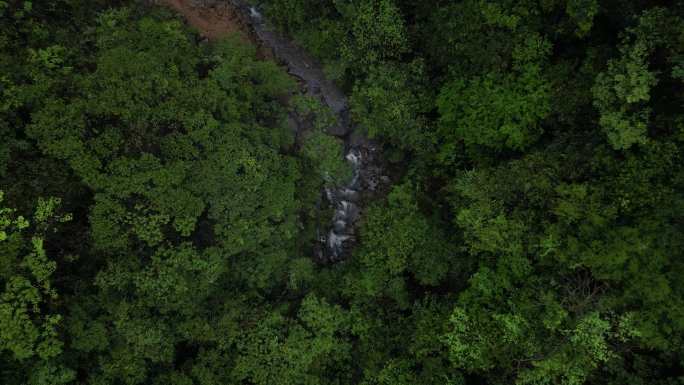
(215, 22)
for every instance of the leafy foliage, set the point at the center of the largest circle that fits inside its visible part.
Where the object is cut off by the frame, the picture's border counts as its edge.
(29, 330)
(533, 235)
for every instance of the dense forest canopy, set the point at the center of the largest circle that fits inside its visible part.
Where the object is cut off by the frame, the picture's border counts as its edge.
(157, 213)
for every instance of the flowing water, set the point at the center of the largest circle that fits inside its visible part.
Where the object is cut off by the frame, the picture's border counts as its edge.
(338, 236)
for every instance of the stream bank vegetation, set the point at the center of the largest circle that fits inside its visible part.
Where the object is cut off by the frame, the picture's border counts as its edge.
(153, 220)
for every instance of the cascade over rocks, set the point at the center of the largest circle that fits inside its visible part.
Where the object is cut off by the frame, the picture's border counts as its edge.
(361, 153)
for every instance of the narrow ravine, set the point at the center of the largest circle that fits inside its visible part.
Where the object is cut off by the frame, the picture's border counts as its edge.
(360, 152)
(347, 200)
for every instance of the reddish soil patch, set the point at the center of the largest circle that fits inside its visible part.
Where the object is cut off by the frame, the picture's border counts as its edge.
(213, 23)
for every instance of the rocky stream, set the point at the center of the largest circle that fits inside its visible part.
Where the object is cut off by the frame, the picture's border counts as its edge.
(335, 239)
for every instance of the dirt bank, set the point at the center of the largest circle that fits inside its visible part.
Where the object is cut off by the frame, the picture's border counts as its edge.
(213, 21)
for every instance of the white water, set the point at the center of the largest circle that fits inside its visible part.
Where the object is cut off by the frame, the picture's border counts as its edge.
(254, 13)
(343, 198)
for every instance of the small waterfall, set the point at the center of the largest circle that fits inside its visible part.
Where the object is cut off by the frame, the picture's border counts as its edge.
(344, 199)
(337, 236)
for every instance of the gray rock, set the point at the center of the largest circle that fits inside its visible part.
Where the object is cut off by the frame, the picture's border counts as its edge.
(204, 3)
(338, 130)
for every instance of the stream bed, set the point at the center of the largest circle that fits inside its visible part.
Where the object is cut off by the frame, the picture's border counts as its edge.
(335, 239)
